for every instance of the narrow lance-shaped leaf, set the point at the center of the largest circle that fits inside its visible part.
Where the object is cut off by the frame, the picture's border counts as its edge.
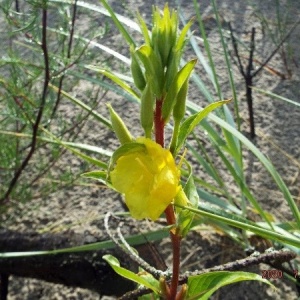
(100, 118)
(201, 287)
(190, 123)
(116, 80)
(189, 195)
(119, 25)
(84, 156)
(99, 176)
(290, 240)
(115, 264)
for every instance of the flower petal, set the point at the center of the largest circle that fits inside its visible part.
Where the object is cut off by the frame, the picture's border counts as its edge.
(149, 179)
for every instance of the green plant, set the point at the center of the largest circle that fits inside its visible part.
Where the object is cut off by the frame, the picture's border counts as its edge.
(165, 83)
(34, 56)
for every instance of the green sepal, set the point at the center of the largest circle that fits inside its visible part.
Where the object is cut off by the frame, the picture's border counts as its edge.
(182, 37)
(167, 34)
(125, 149)
(144, 29)
(119, 127)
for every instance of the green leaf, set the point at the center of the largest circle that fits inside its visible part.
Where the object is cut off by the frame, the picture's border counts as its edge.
(190, 123)
(191, 191)
(115, 264)
(136, 239)
(181, 77)
(115, 79)
(284, 239)
(276, 96)
(201, 287)
(185, 217)
(119, 25)
(83, 106)
(98, 175)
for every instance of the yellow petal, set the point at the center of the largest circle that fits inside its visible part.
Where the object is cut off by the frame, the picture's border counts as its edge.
(149, 179)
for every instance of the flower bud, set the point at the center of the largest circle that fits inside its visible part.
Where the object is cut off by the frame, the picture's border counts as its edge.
(119, 127)
(179, 107)
(153, 67)
(137, 73)
(147, 103)
(164, 33)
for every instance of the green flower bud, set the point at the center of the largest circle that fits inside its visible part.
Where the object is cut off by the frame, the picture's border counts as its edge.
(153, 67)
(172, 68)
(164, 33)
(119, 127)
(179, 107)
(137, 73)
(147, 103)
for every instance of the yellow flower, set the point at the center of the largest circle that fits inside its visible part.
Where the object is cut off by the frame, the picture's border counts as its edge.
(149, 179)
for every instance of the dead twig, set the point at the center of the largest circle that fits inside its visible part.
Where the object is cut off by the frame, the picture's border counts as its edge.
(126, 248)
(267, 257)
(39, 116)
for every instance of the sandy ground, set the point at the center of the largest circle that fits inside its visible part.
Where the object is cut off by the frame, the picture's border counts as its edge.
(278, 136)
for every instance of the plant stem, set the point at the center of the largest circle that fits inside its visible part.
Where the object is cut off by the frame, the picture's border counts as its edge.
(170, 214)
(175, 238)
(159, 124)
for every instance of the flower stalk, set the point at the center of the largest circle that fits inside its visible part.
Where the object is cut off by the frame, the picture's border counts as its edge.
(145, 171)
(169, 212)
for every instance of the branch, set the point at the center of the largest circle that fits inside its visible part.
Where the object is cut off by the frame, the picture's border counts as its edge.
(71, 38)
(267, 257)
(126, 249)
(276, 49)
(40, 111)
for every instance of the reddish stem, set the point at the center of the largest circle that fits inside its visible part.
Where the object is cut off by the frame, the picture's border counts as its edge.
(170, 214)
(175, 238)
(159, 123)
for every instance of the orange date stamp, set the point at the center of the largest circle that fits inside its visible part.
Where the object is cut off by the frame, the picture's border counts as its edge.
(276, 274)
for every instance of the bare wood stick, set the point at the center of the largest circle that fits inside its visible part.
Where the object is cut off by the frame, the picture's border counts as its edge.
(268, 257)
